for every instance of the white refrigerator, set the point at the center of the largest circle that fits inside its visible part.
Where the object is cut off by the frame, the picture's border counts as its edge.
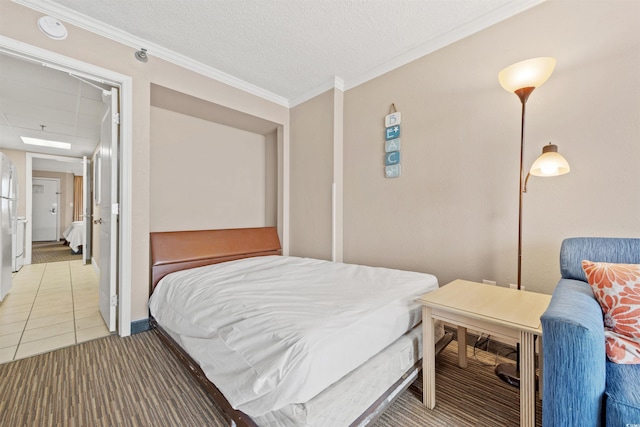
(8, 219)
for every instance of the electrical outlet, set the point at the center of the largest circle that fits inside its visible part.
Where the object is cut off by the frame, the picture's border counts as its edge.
(512, 286)
(489, 282)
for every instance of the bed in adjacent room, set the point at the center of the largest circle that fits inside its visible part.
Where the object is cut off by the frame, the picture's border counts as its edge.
(74, 235)
(286, 341)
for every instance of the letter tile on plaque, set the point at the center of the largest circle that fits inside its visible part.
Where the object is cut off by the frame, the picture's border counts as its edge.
(392, 132)
(392, 171)
(392, 158)
(392, 119)
(392, 145)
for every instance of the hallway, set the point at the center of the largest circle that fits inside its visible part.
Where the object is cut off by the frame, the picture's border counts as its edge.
(50, 306)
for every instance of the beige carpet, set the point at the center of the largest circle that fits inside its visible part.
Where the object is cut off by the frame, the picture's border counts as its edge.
(42, 252)
(135, 381)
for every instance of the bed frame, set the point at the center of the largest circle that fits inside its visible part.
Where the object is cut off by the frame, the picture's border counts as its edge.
(180, 250)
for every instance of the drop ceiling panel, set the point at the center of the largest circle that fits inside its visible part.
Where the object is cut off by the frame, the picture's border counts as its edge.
(32, 95)
(92, 108)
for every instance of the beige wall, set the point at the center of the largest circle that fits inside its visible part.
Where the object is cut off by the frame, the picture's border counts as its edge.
(19, 23)
(454, 210)
(311, 177)
(204, 175)
(271, 180)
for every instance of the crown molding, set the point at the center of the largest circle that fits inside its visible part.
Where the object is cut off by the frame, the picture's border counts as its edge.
(117, 35)
(451, 37)
(333, 83)
(87, 23)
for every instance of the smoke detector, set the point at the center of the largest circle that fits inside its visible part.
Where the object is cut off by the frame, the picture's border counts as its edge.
(52, 28)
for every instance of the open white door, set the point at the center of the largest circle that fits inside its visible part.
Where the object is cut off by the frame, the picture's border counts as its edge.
(86, 211)
(109, 210)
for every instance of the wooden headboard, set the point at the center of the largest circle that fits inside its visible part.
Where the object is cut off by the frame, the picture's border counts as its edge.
(179, 250)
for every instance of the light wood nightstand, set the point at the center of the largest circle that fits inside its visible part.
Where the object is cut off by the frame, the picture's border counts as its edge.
(501, 312)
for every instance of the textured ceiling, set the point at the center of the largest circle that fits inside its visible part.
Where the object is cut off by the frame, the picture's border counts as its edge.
(283, 50)
(289, 48)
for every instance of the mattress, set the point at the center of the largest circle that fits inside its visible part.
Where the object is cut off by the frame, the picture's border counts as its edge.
(344, 401)
(74, 234)
(276, 331)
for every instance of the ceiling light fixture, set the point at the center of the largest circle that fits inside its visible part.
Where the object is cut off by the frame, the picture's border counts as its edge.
(46, 143)
(52, 28)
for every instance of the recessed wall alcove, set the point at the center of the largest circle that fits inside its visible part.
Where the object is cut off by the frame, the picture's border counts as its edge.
(210, 166)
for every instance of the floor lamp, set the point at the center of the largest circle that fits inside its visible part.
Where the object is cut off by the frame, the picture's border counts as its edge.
(522, 78)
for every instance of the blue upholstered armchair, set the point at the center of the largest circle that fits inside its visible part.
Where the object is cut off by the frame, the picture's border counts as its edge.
(581, 387)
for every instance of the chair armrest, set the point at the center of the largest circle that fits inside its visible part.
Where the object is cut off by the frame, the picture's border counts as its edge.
(574, 372)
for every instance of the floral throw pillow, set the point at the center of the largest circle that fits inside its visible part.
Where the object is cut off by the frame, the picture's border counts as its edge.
(617, 289)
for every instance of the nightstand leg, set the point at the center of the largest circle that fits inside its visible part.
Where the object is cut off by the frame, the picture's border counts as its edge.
(462, 347)
(527, 381)
(540, 368)
(428, 359)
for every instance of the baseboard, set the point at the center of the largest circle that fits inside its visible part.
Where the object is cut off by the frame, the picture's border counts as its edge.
(141, 325)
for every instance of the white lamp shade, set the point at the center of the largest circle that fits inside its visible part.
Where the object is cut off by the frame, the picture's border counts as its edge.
(530, 73)
(550, 163)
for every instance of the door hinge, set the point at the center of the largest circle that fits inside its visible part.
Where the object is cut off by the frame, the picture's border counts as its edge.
(115, 209)
(116, 118)
(114, 300)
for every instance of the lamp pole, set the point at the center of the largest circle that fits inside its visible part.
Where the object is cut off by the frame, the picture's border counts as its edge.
(523, 94)
(522, 78)
(513, 377)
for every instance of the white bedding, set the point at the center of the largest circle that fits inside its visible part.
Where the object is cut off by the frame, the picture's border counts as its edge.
(272, 331)
(343, 402)
(74, 234)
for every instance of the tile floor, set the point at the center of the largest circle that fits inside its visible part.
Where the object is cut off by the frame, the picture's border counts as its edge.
(50, 306)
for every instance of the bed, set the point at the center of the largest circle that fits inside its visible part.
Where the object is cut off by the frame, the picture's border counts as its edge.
(74, 235)
(267, 337)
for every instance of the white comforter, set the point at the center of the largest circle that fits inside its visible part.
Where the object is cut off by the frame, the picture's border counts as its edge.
(74, 234)
(270, 331)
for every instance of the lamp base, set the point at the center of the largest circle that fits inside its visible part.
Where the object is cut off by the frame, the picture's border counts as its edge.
(508, 373)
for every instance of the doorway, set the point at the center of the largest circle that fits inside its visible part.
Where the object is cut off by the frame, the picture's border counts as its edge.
(123, 208)
(46, 167)
(45, 213)
(70, 243)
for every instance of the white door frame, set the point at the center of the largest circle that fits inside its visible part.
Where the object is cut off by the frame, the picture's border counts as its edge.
(87, 205)
(125, 84)
(28, 231)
